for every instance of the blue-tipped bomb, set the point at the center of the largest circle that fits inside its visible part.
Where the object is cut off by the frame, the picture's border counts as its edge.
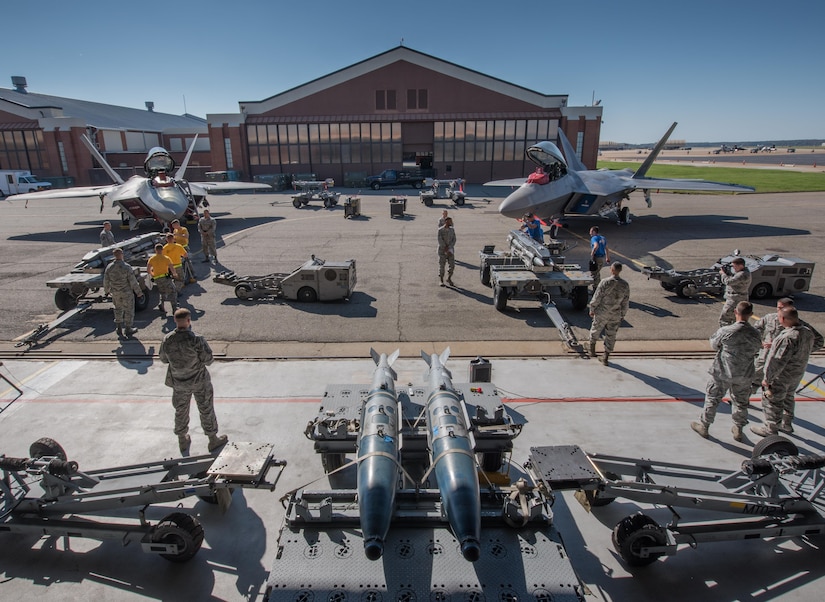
(453, 457)
(378, 467)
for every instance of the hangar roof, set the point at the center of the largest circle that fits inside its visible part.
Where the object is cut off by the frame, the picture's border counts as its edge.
(402, 53)
(43, 106)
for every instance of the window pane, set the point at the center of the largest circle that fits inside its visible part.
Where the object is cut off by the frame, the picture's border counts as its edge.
(521, 127)
(449, 131)
(422, 99)
(396, 132)
(313, 133)
(459, 151)
(291, 133)
(459, 131)
(438, 134)
(470, 130)
(375, 135)
(509, 129)
(532, 131)
(334, 132)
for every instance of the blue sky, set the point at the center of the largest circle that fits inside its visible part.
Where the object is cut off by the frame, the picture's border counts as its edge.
(726, 70)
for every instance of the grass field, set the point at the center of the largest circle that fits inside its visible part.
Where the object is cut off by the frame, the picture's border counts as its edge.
(763, 180)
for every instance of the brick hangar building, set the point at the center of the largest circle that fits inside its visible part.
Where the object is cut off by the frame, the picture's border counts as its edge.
(398, 108)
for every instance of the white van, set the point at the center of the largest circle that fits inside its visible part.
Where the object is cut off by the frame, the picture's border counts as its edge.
(18, 182)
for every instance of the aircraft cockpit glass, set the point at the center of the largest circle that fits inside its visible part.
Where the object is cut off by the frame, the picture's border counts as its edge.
(546, 154)
(158, 159)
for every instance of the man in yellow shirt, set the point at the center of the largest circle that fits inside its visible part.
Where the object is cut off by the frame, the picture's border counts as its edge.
(182, 238)
(162, 271)
(177, 254)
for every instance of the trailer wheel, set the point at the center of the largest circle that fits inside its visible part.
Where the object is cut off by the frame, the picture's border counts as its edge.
(686, 289)
(633, 533)
(499, 298)
(307, 294)
(774, 444)
(181, 529)
(484, 271)
(142, 302)
(579, 297)
(417, 185)
(243, 291)
(64, 299)
(296, 203)
(331, 461)
(375, 186)
(46, 447)
(762, 291)
(428, 202)
(459, 201)
(667, 286)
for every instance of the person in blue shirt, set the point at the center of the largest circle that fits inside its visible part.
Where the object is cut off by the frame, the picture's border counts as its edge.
(532, 226)
(599, 254)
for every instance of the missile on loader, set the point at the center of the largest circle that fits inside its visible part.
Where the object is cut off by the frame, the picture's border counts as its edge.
(378, 462)
(452, 457)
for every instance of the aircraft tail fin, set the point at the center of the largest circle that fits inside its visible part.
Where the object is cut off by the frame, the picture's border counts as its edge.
(185, 164)
(573, 162)
(99, 158)
(640, 173)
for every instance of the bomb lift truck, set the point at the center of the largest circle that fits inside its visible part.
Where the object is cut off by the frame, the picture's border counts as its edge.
(531, 270)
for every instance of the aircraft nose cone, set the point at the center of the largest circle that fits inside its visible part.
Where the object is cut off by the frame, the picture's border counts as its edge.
(518, 203)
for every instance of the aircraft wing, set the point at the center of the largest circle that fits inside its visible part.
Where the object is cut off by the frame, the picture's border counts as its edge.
(77, 192)
(511, 182)
(689, 185)
(227, 187)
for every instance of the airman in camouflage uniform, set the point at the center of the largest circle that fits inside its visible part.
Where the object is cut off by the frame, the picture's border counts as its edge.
(207, 227)
(769, 327)
(784, 368)
(608, 308)
(446, 251)
(120, 282)
(188, 354)
(737, 288)
(732, 370)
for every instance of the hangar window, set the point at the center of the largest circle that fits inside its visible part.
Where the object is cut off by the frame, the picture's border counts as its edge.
(385, 100)
(417, 98)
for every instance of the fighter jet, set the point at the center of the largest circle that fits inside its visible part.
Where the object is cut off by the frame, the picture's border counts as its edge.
(562, 185)
(157, 195)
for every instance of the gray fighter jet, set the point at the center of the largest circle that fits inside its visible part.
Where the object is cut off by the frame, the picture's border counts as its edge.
(157, 195)
(562, 185)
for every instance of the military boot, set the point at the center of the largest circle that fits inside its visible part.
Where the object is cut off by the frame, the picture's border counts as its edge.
(785, 426)
(119, 331)
(764, 430)
(736, 431)
(592, 348)
(130, 331)
(441, 279)
(450, 280)
(184, 441)
(604, 358)
(700, 428)
(216, 441)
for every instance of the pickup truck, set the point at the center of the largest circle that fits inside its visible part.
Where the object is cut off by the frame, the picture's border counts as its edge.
(393, 177)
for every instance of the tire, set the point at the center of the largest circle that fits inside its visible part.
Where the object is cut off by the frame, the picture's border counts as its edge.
(635, 532)
(307, 294)
(142, 302)
(243, 291)
(623, 213)
(296, 203)
(774, 444)
(428, 202)
(417, 185)
(375, 186)
(763, 290)
(181, 529)
(485, 275)
(459, 201)
(580, 298)
(331, 461)
(46, 447)
(554, 231)
(64, 299)
(499, 298)
(491, 461)
(667, 286)
(686, 289)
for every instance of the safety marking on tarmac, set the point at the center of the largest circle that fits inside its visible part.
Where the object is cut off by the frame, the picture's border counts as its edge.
(27, 379)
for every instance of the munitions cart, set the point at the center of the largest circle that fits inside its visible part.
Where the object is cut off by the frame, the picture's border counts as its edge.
(771, 276)
(315, 190)
(777, 494)
(315, 280)
(531, 270)
(75, 503)
(441, 189)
